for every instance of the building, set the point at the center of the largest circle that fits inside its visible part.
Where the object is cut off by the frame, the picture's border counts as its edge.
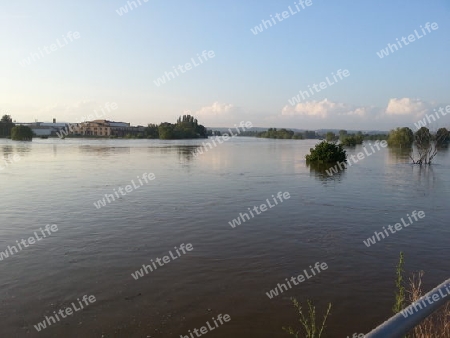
(45, 129)
(100, 128)
(106, 128)
(92, 128)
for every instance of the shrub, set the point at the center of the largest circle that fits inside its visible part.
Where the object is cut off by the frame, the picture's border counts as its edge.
(327, 152)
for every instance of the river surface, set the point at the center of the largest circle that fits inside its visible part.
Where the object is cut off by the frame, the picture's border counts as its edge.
(192, 199)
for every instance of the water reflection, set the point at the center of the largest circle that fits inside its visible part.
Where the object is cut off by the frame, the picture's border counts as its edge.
(7, 149)
(399, 155)
(103, 151)
(21, 149)
(403, 155)
(319, 171)
(425, 179)
(184, 152)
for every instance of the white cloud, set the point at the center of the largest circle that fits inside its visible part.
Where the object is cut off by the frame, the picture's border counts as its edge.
(77, 108)
(217, 109)
(398, 112)
(407, 106)
(324, 109)
(71, 112)
(219, 114)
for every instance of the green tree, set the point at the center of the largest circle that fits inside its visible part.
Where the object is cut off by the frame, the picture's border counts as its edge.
(423, 136)
(187, 127)
(166, 131)
(6, 124)
(151, 131)
(21, 133)
(442, 137)
(425, 147)
(6, 119)
(218, 133)
(401, 137)
(352, 140)
(298, 136)
(375, 137)
(330, 136)
(201, 130)
(342, 134)
(326, 152)
(310, 134)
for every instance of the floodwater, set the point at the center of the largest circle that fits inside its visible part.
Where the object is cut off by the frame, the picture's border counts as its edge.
(229, 270)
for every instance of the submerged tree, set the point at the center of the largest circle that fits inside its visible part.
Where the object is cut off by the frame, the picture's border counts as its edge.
(423, 135)
(426, 148)
(426, 144)
(21, 133)
(327, 152)
(401, 137)
(352, 140)
(442, 137)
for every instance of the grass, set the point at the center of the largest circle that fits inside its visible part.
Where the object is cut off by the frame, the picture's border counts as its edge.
(400, 302)
(308, 321)
(436, 325)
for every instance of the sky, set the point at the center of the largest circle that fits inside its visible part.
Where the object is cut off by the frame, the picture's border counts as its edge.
(67, 59)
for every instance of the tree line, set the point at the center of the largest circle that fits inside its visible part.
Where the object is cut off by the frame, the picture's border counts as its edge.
(343, 136)
(187, 127)
(347, 139)
(287, 134)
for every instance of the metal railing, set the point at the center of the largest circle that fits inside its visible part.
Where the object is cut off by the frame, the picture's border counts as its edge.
(404, 321)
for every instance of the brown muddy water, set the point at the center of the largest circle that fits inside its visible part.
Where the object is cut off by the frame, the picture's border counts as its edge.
(229, 270)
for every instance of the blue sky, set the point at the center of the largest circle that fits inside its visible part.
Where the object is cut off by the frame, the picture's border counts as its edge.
(118, 58)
